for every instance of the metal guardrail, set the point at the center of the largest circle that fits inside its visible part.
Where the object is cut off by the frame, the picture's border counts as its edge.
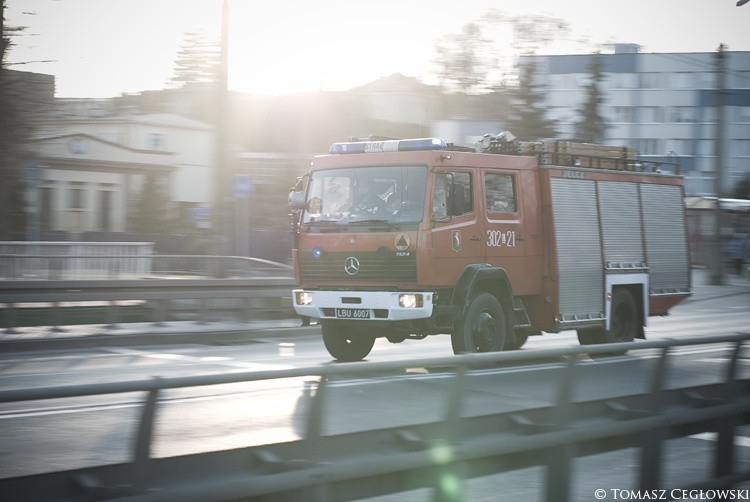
(440, 455)
(129, 266)
(162, 296)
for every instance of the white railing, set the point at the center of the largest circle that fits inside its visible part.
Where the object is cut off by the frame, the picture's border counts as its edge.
(74, 260)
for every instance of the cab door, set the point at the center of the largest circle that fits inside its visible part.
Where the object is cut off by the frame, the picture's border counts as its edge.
(511, 229)
(457, 231)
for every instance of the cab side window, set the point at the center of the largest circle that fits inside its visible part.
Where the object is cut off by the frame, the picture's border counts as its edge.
(501, 192)
(452, 195)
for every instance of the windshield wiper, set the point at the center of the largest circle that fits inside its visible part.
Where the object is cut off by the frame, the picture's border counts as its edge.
(387, 223)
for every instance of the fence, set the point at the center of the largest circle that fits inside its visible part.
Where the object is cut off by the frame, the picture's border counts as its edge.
(163, 298)
(74, 260)
(393, 459)
(105, 262)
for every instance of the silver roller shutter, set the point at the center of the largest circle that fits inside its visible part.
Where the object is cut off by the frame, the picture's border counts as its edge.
(666, 240)
(578, 247)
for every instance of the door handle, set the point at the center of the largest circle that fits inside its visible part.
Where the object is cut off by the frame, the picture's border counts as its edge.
(476, 238)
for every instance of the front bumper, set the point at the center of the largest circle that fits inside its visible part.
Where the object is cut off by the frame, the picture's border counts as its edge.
(362, 305)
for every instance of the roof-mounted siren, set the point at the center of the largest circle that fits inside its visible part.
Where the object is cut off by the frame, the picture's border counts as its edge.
(504, 142)
(396, 145)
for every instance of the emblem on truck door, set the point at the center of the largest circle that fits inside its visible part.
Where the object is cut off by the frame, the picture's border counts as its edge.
(351, 265)
(402, 242)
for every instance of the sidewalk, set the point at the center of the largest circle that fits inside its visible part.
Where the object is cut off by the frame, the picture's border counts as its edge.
(234, 332)
(144, 333)
(704, 290)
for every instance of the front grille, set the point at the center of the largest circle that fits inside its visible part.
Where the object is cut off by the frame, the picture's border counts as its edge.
(374, 266)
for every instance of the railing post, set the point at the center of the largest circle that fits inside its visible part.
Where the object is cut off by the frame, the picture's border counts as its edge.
(313, 433)
(653, 440)
(10, 318)
(450, 473)
(558, 465)
(112, 315)
(725, 452)
(142, 452)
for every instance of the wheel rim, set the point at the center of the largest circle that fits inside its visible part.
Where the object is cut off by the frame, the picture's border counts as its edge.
(485, 332)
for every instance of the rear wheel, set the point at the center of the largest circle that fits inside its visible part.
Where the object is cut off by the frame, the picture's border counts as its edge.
(345, 342)
(623, 323)
(484, 328)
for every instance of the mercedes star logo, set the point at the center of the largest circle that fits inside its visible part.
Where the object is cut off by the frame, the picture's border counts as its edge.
(351, 265)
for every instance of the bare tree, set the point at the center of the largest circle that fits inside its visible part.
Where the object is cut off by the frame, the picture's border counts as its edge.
(14, 135)
(464, 59)
(476, 59)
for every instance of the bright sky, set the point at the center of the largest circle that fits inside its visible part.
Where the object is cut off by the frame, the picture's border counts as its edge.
(102, 48)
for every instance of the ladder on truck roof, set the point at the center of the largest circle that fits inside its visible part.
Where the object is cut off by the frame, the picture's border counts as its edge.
(569, 153)
(550, 152)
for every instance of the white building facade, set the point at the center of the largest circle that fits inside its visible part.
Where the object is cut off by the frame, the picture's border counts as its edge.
(88, 168)
(663, 104)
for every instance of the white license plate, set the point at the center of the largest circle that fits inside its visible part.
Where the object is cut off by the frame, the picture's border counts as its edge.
(352, 313)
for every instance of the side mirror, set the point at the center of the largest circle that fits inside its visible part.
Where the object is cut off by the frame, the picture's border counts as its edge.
(296, 200)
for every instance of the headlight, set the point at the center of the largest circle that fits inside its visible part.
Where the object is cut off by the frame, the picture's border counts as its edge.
(303, 297)
(410, 301)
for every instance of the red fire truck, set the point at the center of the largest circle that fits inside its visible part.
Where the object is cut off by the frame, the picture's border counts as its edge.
(404, 239)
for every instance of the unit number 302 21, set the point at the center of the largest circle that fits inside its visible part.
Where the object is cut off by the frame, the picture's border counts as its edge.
(498, 238)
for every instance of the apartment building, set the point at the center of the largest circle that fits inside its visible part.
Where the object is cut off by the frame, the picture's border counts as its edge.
(663, 104)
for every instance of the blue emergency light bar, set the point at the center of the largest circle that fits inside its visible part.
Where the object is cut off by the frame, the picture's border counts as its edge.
(391, 145)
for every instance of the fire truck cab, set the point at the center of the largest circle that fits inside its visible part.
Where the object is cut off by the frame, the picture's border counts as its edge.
(410, 238)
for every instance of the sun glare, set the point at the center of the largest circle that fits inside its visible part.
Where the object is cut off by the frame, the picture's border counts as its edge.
(299, 46)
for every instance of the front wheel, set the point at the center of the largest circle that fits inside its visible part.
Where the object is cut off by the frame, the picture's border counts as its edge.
(484, 328)
(345, 342)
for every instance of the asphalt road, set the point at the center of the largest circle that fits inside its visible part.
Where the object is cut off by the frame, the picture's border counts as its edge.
(55, 435)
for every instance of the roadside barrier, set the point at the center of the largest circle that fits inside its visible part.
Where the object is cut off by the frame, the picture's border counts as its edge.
(440, 455)
(164, 298)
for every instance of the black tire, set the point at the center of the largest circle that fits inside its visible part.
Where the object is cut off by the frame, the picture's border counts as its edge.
(623, 318)
(346, 343)
(518, 342)
(623, 324)
(591, 336)
(484, 328)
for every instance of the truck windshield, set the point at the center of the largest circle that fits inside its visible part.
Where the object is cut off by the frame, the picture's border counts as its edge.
(371, 197)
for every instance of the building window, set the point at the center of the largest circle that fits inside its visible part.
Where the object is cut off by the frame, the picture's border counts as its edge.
(684, 80)
(741, 148)
(652, 80)
(683, 146)
(46, 208)
(742, 114)
(155, 141)
(624, 81)
(76, 196)
(707, 114)
(682, 114)
(500, 193)
(706, 80)
(623, 114)
(739, 79)
(705, 147)
(104, 212)
(650, 146)
(651, 114)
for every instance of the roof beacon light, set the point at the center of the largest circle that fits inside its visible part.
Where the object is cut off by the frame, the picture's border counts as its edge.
(394, 145)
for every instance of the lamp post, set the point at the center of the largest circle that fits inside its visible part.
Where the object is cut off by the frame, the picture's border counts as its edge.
(221, 176)
(717, 275)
